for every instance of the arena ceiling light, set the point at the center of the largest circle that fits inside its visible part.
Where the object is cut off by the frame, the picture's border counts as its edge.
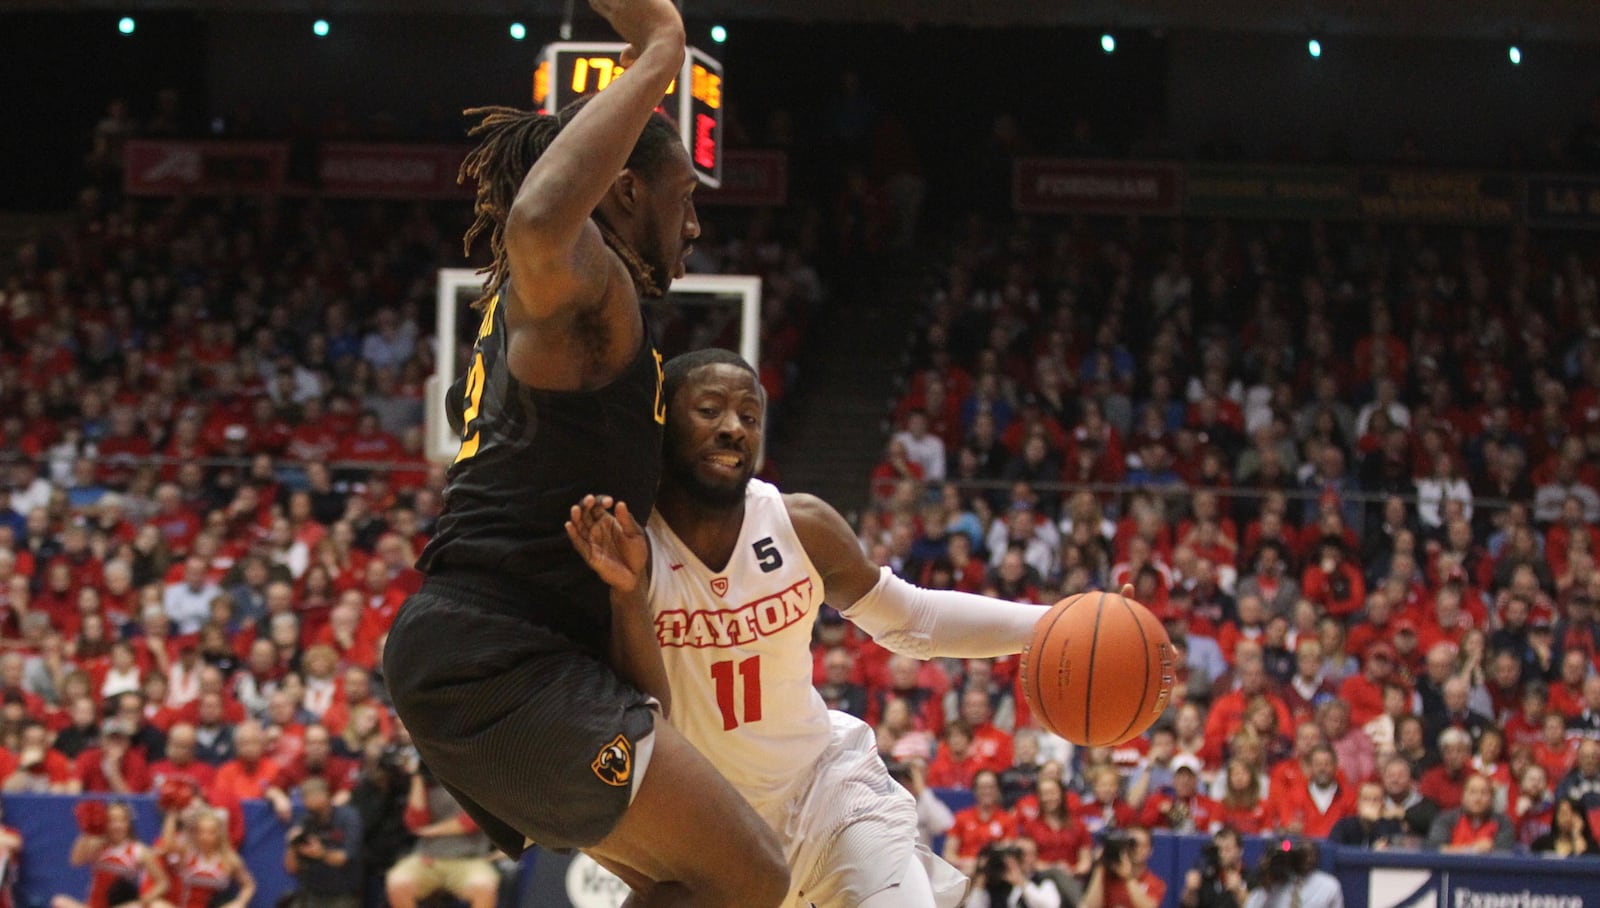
(518, 31)
(321, 28)
(126, 25)
(1314, 48)
(1108, 42)
(719, 34)
(1514, 53)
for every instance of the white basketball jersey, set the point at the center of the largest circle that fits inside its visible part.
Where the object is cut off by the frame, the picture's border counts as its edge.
(737, 647)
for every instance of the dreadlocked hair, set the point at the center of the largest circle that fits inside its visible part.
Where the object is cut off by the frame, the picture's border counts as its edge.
(510, 142)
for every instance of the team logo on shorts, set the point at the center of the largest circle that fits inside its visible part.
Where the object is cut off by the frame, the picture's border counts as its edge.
(719, 585)
(614, 763)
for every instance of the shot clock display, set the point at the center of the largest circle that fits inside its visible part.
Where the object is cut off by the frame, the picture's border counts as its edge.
(568, 70)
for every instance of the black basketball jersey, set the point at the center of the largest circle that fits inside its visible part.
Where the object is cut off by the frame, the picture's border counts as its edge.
(527, 456)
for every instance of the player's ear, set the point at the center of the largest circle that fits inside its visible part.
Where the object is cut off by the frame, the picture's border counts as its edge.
(628, 190)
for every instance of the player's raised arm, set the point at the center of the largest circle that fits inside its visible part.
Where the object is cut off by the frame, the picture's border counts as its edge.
(553, 250)
(901, 616)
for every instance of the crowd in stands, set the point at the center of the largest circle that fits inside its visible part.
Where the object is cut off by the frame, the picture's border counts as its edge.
(1353, 470)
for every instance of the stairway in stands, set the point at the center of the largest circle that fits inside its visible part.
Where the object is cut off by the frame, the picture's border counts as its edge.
(837, 418)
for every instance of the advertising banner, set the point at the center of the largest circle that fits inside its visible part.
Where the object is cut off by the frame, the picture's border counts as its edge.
(1438, 196)
(1288, 193)
(391, 171)
(1061, 186)
(1564, 202)
(203, 168)
(750, 178)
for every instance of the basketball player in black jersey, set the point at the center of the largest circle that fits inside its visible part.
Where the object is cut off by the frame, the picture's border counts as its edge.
(518, 682)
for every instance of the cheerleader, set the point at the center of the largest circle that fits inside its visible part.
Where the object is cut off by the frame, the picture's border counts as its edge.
(117, 859)
(206, 866)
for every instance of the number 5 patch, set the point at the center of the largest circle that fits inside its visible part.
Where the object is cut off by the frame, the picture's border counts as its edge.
(767, 555)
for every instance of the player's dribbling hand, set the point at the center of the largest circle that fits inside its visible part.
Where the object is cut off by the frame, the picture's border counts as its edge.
(610, 541)
(641, 23)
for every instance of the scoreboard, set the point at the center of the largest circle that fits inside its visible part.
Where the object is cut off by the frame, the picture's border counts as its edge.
(568, 70)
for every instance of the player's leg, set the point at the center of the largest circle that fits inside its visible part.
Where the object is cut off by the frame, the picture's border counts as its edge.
(692, 833)
(913, 891)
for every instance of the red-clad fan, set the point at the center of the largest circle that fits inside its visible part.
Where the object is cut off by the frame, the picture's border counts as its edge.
(250, 772)
(1064, 842)
(180, 762)
(117, 860)
(984, 823)
(1332, 582)
(1566, 694)
(1104, 808)
(1364, 692)
(1442, 784)
(354, 691)
(316, 759)
(36, 767)
(1227, 712)
(115, 765)
(1312, 808)
(1242, 807)
(956, 764)
(990, 744)
(1183, 809)
(1556, 750)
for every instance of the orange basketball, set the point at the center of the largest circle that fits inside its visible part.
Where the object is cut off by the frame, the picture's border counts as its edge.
(1098, 670)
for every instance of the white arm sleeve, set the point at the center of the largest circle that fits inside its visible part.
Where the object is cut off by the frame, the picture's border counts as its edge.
(912, 621)
(1041, 895)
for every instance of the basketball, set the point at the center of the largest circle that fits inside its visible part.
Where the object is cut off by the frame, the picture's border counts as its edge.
(1098, 670)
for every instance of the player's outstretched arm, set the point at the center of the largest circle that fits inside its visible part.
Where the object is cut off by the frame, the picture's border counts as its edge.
(615, 547)
(901, 616)
(556, 255)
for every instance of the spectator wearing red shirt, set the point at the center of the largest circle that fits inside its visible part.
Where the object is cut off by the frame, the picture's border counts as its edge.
(1556, 750)
(1566, 695)
(250, 773)
(369, 444)
(1364, 692)
(1227, 712)
(1104, 809)
(1242, 808)
(1333, 583)
(1442, 784)
(907, 682)
(316, 759)
(1183, 809)
(1473, 827)
(352, 640)
(1064, 842)
(36, 768)
(957, 763)
(1325, 798)
(991, 745)
(1128, 883)
(355, 691)
(985, 822)
(115, 765)
(179, 761)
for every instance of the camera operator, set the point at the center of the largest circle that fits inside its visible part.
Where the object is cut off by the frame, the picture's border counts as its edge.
(324, 850)
(1290, 879)
(1219, 879)
(1121, 878)
(380, 798)
(1008, 877)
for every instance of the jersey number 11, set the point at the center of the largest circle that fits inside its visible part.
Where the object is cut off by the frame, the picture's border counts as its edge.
(750, 674)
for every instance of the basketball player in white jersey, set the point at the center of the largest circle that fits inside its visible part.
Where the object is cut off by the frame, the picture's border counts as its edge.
(735, 572)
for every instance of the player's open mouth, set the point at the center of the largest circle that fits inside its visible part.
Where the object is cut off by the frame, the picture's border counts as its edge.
(725, 462)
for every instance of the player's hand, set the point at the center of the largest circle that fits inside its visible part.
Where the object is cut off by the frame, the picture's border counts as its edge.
(610, 541)
(642, 23)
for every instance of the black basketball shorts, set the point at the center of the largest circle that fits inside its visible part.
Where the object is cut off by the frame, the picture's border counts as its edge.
(536, 737)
